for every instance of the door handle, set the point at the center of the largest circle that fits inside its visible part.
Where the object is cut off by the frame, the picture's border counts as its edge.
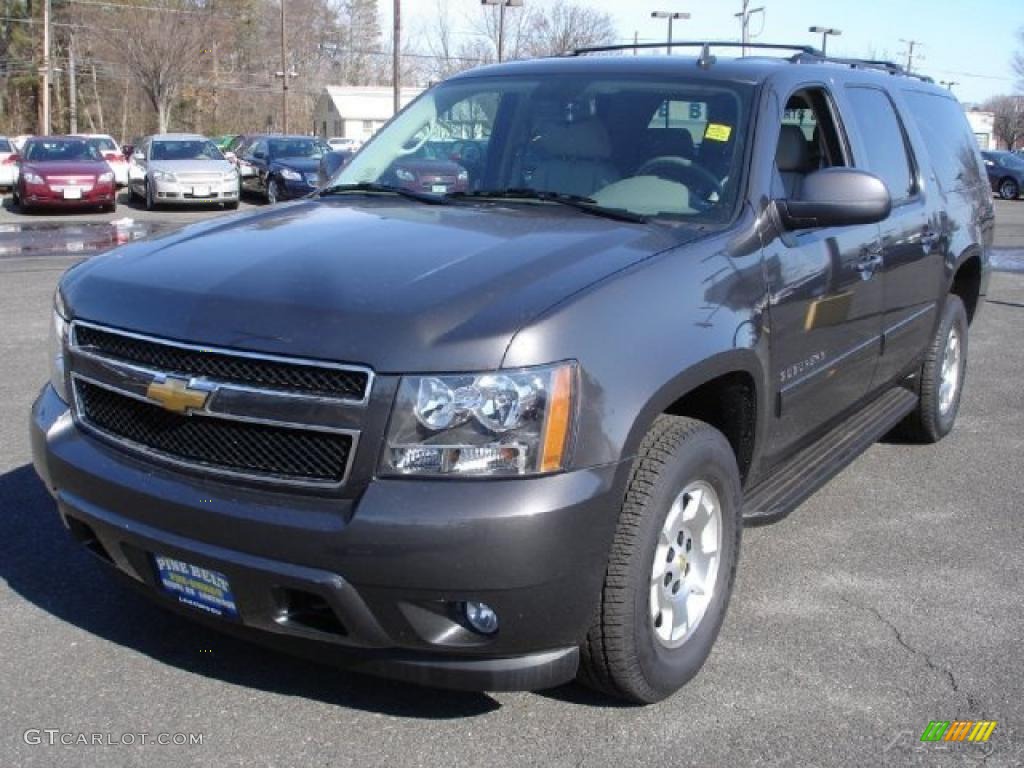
(869, 264)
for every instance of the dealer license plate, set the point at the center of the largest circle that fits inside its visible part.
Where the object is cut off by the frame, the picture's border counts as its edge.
(72, 193)
(201, 588)
(200, 191)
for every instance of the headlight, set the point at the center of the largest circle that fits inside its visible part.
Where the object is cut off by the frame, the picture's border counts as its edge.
(105, 177)
(164, 176)
(405, 175)
(515, 422)
(57, 347)
(291, 175)
(32, 178)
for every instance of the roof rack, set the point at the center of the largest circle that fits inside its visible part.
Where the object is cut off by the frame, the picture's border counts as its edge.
(805, 54)
(703, 44)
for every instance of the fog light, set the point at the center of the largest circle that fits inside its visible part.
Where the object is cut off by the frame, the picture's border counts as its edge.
(481, 617)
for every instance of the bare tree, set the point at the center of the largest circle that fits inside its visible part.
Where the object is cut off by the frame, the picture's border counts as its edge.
(1008, 122)
(160, 46)
(565, 26)
(1018, 60)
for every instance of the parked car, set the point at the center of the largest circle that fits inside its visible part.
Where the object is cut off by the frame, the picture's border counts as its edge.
(182, 168)
(426, 174)
(284, 166)
(237, 147)
(8, 163)
(331, 163)
(1005, 173)
(112, 153)
(500, 438)
(64, 172)
(344, 144)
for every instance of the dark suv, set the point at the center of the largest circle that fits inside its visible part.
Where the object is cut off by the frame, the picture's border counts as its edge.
(500, 438)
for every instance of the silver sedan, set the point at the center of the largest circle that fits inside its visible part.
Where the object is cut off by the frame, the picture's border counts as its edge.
(182, 169)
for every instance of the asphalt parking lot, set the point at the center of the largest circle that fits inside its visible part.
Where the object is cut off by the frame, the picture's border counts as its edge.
(893, 597)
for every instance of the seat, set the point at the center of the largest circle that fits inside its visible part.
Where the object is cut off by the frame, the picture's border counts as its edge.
(575, 159)
(793, 158)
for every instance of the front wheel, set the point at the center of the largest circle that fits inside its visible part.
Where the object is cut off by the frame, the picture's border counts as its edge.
(150, 202)
(942, 377)
(273, 192)
(672, 565)
(1009, 189)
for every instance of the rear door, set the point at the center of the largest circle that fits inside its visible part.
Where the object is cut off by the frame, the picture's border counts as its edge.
(912, 246)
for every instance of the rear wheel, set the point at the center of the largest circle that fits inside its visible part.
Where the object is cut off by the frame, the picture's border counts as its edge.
(1009, 189)
(942, 377)
(672, 565)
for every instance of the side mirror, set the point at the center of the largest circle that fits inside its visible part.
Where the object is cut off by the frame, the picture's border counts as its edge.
(836, 197)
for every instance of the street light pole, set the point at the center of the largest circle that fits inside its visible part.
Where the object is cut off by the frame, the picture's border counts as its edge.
(825, 32)
(949, 83)
(744, 17)
(284, 71)
(396, 59)
(47, 74)
(671, 16)
(502, 5)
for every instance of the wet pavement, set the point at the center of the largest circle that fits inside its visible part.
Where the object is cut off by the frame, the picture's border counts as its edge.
(60, 238)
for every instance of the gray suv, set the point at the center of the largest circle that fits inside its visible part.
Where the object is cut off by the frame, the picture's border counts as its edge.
(507, 436)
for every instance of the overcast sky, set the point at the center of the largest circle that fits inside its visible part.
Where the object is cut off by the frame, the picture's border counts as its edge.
(969, 41)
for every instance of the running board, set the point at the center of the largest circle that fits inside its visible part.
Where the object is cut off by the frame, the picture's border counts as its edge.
(792, 482)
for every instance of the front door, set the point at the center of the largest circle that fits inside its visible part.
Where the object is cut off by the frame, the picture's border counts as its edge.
(825, 288)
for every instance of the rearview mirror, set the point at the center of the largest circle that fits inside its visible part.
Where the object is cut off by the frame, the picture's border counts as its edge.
(836, 197)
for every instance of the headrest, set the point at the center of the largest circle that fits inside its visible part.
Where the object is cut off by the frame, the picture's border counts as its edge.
(587, 139)
(793, 153)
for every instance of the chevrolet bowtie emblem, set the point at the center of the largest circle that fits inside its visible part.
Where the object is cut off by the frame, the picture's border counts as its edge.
(176, 395)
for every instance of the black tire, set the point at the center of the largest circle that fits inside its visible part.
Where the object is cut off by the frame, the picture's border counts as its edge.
(232, 206)
(273, 193)
(150, 202)
(1009, 189)
(929, 423)
(622, 655)
(132, 197)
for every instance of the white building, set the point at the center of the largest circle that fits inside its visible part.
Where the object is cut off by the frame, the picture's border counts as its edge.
(981, 125)
(356, 112)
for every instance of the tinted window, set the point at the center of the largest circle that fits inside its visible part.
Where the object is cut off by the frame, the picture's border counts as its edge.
(104, 144)
(296, 148)
(46, 150)
(951, 146)
(185, 150)
(5, 146)
(884, 143)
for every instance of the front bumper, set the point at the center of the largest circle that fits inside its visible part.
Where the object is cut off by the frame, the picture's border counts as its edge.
(391, 565)
(295, 188)
(186, 193)
(42, 196)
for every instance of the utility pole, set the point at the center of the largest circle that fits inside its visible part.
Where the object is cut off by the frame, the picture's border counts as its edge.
(636, 42)
(45, 127)
(911, 45)
(502, 5)
(825, 32)
(72, 87)
(671, 16)
(284, 70)
(744, 17)
(396, 58)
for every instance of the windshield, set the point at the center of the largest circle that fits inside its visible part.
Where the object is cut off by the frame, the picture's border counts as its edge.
(60, 151)
(668, 148)
(103, 144)
(312, 148)
(185, 150)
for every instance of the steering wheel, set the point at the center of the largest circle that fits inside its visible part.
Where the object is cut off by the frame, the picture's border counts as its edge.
(684, 171)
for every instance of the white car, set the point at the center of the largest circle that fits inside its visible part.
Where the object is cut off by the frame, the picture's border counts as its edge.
(112, 153)
(182, 169)
(8, 163)
(345, 144)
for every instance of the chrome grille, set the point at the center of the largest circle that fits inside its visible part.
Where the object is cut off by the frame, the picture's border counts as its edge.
(346, 383)
(270, 419)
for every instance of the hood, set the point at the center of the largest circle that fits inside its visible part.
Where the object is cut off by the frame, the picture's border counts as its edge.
(191, 166)
(68, 168)
(303, 164)
(393, 284)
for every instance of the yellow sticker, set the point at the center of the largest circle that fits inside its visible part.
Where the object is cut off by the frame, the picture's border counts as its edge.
(718, 132)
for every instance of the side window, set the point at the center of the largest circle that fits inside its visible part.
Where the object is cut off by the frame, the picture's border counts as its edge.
(809, 140)
(885, 145)
(947, 136)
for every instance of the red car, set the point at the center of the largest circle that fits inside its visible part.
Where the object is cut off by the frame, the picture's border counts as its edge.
(64, 172)
(429, 175)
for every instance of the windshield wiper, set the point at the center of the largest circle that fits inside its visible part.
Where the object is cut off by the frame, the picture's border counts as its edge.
(374, 187)
(579, 202)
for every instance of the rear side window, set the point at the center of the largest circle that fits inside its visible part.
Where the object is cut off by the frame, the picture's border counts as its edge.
(947, 136)
(886, 147)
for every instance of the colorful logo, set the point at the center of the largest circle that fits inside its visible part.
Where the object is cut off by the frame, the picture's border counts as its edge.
(959, 730)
